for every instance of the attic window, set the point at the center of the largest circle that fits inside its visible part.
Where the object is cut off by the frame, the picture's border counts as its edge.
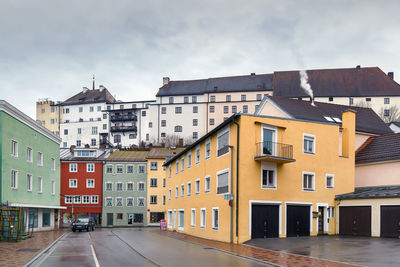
(329, 119)
(337, 119)
(82, 99)
(97, 98)
(330, 99)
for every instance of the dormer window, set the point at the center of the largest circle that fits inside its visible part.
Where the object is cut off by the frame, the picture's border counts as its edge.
(85, 153)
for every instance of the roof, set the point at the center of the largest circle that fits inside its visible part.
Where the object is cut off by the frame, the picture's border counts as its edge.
(380, 148)
(128, 156)
(90, 96)
(397, 123)
(67, 155)
(163, 152)
(372, 192)
(367, 120)
(351, 82)
(257, 82)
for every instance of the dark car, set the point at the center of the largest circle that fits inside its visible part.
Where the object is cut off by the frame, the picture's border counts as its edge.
(83, 224)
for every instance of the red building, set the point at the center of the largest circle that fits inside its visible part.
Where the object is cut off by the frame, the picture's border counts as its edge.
(81, 183)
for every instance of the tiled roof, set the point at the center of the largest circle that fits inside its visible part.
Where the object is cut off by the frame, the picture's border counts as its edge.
(128, 156)
(366, 119)
(257, 82)
(380, 148)
(351, 82)
(163, 152)
(67, 155)
(90, 96)
(372, 192)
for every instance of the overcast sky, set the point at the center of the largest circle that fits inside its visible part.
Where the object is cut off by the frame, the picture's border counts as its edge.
(51, 48)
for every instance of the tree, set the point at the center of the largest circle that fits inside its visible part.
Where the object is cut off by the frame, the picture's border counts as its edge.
(390, 115)
(363, 104)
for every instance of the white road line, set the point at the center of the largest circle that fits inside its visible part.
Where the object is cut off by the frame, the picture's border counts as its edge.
(94, 256)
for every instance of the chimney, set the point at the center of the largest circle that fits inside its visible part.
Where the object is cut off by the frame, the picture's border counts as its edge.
(87, 146)
(348, 133)
(180, 144)
(85, 89)
(358, 67)
(165, 80)
(72, 148)
(391, 75)
(101, 87)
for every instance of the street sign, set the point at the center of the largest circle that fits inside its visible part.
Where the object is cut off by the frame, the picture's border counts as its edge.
(163, 224)
(228, 196)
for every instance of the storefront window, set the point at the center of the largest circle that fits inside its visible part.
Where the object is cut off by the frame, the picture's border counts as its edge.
(46, 218)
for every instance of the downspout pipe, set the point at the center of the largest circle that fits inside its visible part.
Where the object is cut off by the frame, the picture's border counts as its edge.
(237, 178)
(231, 171)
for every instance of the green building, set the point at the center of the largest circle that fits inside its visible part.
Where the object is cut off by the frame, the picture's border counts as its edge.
(29, 170)
(124, 189)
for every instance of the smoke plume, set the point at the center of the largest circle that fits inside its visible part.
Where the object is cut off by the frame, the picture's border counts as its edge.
(305, 85)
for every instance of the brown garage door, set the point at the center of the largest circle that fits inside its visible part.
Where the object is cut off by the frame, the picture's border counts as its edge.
(355, 221)
(390, 221)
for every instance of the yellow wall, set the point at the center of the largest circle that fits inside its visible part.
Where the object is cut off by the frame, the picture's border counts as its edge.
(158, 191)
(47, 115)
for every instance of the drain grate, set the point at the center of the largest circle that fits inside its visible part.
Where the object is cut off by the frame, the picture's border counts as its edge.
(208, 248)
(28, 250)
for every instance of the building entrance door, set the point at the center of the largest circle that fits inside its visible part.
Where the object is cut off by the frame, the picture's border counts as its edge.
(110, 217)
(321, 220)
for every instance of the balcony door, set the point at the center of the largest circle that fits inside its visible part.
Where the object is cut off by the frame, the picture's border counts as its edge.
(269, 144)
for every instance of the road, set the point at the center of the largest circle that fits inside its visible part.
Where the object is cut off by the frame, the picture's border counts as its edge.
(134, 247)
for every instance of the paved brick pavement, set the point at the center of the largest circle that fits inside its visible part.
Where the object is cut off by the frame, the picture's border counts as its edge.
(11, 254)
(270, 256)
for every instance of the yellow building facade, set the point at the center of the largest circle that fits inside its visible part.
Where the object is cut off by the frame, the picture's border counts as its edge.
(261, 176)
(49, 115)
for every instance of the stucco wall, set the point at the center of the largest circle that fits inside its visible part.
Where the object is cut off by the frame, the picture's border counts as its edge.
(378, 174)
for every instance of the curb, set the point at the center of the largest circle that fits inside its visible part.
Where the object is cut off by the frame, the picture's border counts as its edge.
(44, 251)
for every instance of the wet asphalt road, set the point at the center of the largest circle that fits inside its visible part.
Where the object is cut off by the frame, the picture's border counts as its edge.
(134, 247)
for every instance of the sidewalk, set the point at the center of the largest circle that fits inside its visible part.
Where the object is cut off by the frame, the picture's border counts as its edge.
(269, 256)
(19, 253)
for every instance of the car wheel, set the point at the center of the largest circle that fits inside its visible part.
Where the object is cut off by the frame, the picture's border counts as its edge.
(80, 230)
(92, 228)
(88, 229)
(73, 230)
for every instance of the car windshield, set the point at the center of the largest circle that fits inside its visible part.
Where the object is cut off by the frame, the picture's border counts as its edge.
(83, 220)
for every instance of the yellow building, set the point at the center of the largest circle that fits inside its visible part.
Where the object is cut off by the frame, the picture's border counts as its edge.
(156, 182)
(49, 115)
(281, 172)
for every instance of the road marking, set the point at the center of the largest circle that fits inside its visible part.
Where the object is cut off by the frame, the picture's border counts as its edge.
(94, 256)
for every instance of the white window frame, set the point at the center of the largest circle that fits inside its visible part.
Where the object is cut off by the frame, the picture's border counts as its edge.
(107, 183)
(127, 201)
(29, 154)
(88, 167)
(176, 191)
(53, 187)
(109, 198)
(122, 186)
(127, 186)
(313, 182)
(121, 167)
(207, 153)
(141, 183)
(154, 197)
(309, 136)
(68, 199)
(203, 218)
(14, 148)
(94, 197)
(76, 183)
(197, 186)
(88, 185)
(326, 181)
(182, 163)
(151, 182)
(182, 190)
(109, 166)
(179, 219)
(14, 179)
(229, 182)
(84, 201)
(215, 228)
(193, 217)
(169, 194)
(220, 133)
(189, 160)
(40, 185)
(207, 177)
(269, 168)
(197, 155)
(189, 188)
(29, 182)
(127, 168)
(177, 166)
(73, 167)
(169, 219)
(40, 159)
(138, 201)
(53, 164)
(153, 165)
(116, 201)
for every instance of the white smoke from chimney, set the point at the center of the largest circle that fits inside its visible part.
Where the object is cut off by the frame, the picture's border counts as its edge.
(306, 86)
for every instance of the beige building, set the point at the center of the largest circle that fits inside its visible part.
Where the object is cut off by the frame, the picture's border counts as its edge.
(48, 114)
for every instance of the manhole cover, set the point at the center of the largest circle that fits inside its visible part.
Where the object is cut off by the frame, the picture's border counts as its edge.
(28, 249)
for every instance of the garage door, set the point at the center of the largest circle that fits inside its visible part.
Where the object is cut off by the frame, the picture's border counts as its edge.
(355, 221)
(390, 221)
(297, 220)
(264, 221)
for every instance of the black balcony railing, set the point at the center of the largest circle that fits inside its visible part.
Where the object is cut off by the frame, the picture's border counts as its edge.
(123, 118)
(123, 128)
(268, 149)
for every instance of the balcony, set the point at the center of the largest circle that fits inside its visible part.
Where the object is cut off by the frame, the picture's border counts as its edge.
(274, 152)
(123, 128)
(123, 118)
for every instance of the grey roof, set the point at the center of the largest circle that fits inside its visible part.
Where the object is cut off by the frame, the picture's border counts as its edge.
(90, 96)
(379, 148)
(257, 82)
(67, 155)
(372, 192)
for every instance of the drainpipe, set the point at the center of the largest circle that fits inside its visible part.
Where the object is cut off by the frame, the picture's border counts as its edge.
(237, 178)
(231, 228)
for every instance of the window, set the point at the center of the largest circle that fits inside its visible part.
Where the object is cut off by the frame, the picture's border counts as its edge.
(194, 99)
(178, 110)
(67, 110)
(197, 154)
(308, 144)
(129, 186)
(223, 182)
(40, 159)
(121, 106)
(243, 97)
(108, 107)
(52, 109)
(77, 199)
(89, 183)
(53, 187)
(195, 109)
(212, 109)
(215, 218)
(228, 98)
(147, 137)
(169, 171)
(120, 169)
(212, 98)
(169, 194)
(195, 122)
(129, 201)
(28, 182)
(80, 109)
(268, 179)
(153, 165)
(171, 99)
(53, 164)
(144, 113)
(178, 129)
(331, 212)
(176, 192)
(182, 190)
(245, 109)
(386, 112)
(181, 219)
(189, 188)
(330, 99)
(163, 200)
(141, 186)
(104, 126)
(85, 199)
(117, 138)
(104, 116)
(226, 109)
(132, 136)
(40, 185)
(258, 96)
(95, 199)
(193, 218)
(351, 101)
(43, 110)
(119, 201)
(182, 164)
(308, 182)
(195, 135)
(94, 130)
(197, 186)
(119, 186)
(329, 181)
(207, 184)
(78, 143)
(386, 100)
(189, 160)
(90, 167)
(91, 109)
(368, 99)
(52, 121)
(68, 200)
(141, 169)
(29, 154)
(203, 218)
(177, 167)
(150, 125)
(153, 199)
(73, 183)
(208, 149)
(109, 169)
(140, 201)
(164, 110)
(163, 123)
(73, 167)
(234, 109)
(153, 182)
(212, 121)
(109, 186)
(91, 119)
(186, 99)
(163, 182)
(109, 201)
(14, 179)
(93, 142)
(222, 143)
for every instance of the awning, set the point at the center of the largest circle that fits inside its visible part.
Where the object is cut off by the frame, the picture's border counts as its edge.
(36, 206)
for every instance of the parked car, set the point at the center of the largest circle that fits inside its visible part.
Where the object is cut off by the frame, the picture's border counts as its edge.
(80, 224)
